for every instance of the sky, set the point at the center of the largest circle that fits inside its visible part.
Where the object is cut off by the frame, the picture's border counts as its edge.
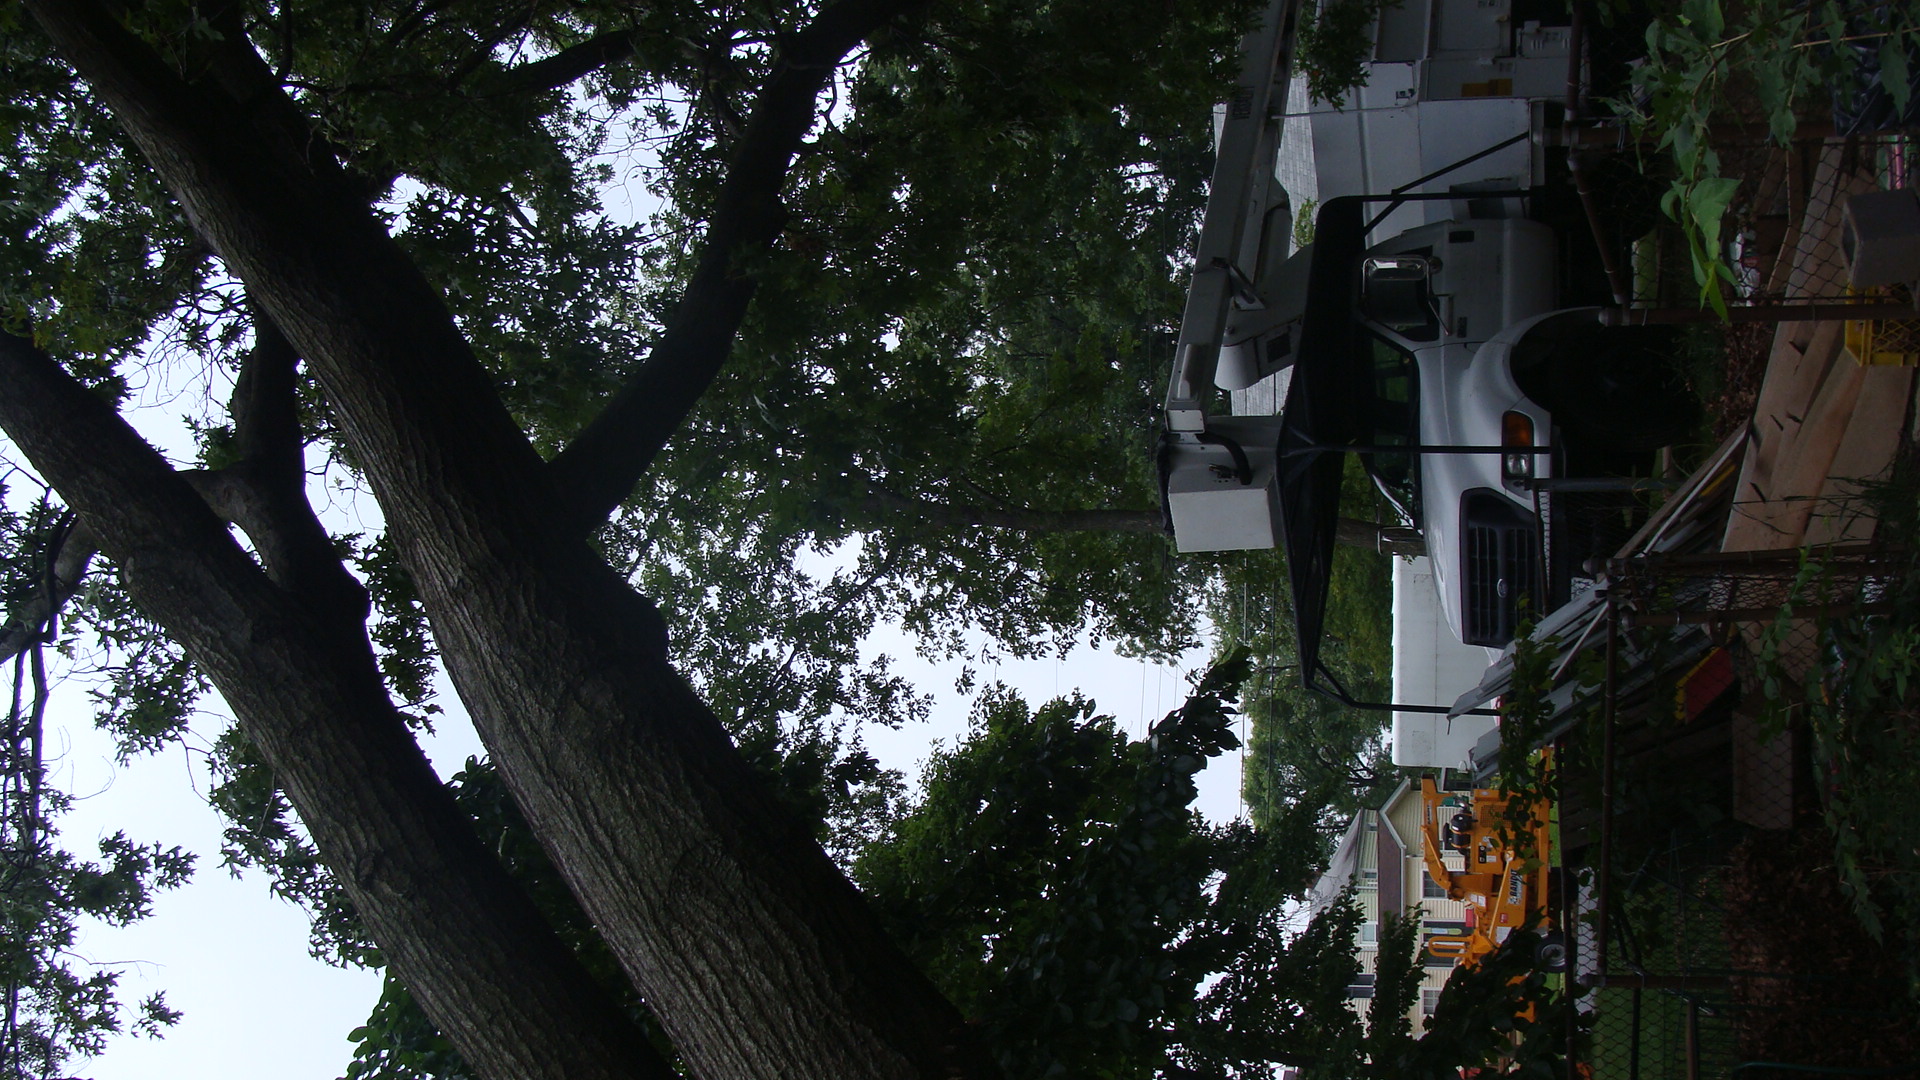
(233, 957)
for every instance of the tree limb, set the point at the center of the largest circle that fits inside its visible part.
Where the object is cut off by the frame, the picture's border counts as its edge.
(962, 515)
(265, 491)
(600, 466)
(563, 67)
(72, 555)
(758, 955)
(459, 933)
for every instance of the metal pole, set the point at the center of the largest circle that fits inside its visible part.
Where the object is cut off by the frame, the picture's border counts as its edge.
(1702, 618)
(1662, 982)
(1693, 1040)
(1600, 483)
(1604, 876)
(1757, 313)
(1411, 448)
(1714, 560)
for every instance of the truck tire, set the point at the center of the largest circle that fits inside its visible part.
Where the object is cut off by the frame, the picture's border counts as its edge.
(1621, 390)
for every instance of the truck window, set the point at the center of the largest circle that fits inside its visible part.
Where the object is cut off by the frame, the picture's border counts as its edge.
(1395, 421)
(1396, 291)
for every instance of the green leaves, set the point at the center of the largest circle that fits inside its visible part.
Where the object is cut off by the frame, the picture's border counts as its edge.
(1334, 44)
(58, 1005)
(1894, 74)
(1704, 18)
(1704, 66)
(1053, 878)
(1857, 707)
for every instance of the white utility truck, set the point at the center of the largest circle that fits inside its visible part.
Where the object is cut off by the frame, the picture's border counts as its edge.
(1429, 327)
(1430, 665)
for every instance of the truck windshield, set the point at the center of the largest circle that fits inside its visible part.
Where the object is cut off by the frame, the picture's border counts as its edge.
(1395, 422)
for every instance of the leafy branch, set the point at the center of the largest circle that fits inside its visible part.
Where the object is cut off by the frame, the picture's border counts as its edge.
(1334, 44)
(1700, 66)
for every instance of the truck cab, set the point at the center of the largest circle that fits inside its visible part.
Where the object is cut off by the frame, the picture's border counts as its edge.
(1434, 326)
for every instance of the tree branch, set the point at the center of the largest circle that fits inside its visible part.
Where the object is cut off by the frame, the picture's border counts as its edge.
(460, 933)
(283, 214)
(882, 502)
(72, 555)
(265, 491)
(599, 468)
(757, 954)
(563, 67)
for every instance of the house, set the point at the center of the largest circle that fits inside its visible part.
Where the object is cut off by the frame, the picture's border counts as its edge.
(1380, 854)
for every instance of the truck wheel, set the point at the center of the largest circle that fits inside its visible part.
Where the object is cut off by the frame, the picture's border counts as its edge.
(1621, 390)
(1551, 954)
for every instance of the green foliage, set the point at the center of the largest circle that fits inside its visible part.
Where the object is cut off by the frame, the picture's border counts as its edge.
(1304, 223)
(1334, 46)
(1053, 877)
(1311, 761)
(1054, 880)
(93, 255)
(144, 689)
(1057, 887)
(990, 332)
(1526, 773)
(56, 1006)
(398, 1042)
(1502, 1014)
(1859, 704)
(1282, 999)
(1707, 62)
(968, 315)
(261, 831)
(399, 633)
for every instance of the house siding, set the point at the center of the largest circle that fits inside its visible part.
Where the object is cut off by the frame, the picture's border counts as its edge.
(1388, 843)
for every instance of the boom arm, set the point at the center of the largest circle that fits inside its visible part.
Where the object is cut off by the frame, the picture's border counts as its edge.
(1218, 478)
(1241, 194)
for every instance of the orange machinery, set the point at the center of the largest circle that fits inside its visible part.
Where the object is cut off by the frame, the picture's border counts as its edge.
(1505, 880)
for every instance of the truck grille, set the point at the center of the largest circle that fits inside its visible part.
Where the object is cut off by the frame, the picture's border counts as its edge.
(1501, 573)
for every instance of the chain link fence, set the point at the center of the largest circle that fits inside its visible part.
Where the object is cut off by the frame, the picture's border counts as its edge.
(1716, 930)
(1784, 228)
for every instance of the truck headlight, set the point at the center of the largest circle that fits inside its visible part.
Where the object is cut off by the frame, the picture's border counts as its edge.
(1516, 439)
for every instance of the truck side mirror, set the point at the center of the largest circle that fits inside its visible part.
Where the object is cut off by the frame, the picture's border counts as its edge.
(1396, 291)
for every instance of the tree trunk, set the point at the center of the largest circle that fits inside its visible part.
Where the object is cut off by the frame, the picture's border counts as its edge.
(759, 958)
(456, 929)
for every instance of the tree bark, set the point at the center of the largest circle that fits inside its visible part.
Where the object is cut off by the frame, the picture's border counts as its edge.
(759, 958)
(456, 929)
(72, 556)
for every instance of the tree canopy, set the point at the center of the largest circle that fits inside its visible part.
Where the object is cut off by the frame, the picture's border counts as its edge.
(888, 352)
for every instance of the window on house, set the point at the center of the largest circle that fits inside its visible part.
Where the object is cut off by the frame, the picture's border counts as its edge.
(1370, 934)
(1430, 889)
(1429, 1001)
(1361, 986)
(1370, 878)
